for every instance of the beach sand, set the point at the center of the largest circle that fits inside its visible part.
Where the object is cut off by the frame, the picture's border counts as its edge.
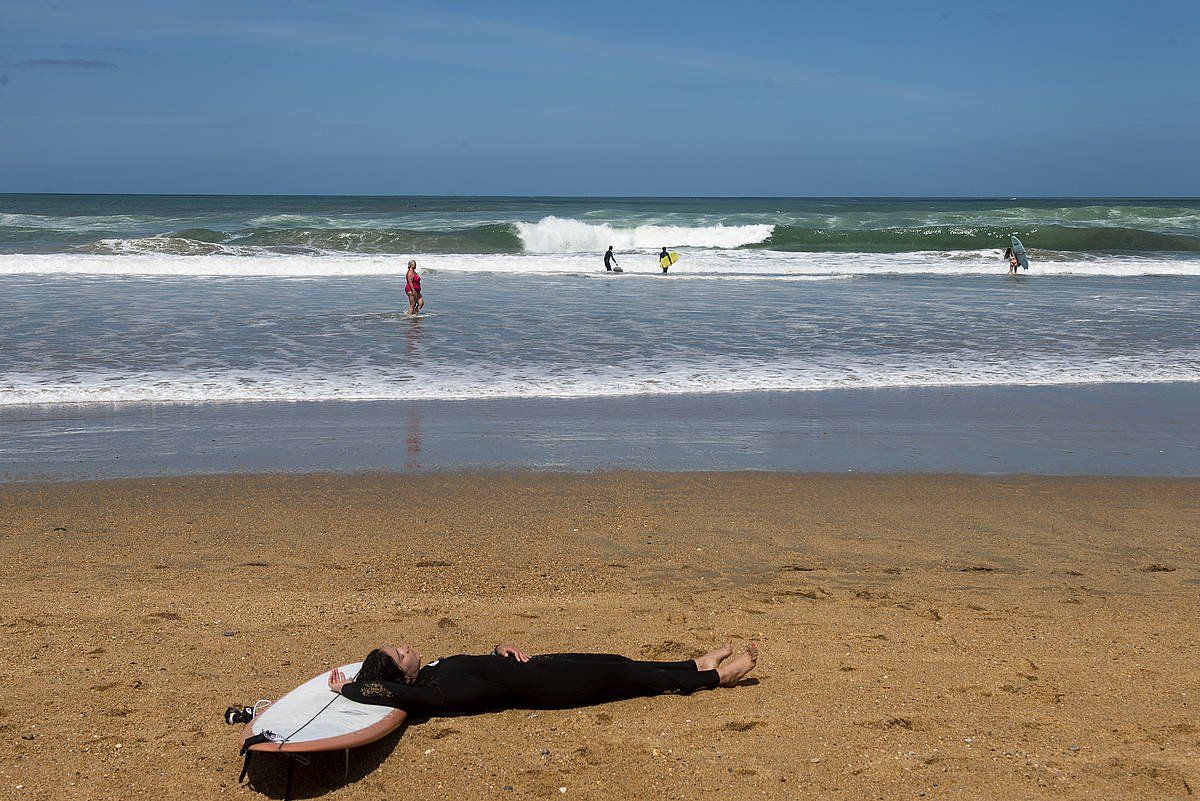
(937, 636)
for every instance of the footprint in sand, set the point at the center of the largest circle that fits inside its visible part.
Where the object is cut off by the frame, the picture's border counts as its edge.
(166, 615)
(811, 593)
(742, 725)
(664, 648)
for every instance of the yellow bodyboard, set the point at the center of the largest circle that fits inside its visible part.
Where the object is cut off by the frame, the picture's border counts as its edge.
(668, 260)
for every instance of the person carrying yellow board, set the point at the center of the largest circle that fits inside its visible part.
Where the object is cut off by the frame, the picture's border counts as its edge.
(665, 259)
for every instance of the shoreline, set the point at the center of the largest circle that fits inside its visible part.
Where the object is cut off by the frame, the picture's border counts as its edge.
(957, 636)
(1109, 429)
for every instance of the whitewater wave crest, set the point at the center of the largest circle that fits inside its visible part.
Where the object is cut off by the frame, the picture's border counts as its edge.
(464, 383)
(562, 235)
(695, 264)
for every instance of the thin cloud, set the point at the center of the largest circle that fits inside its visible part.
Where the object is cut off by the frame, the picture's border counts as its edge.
(93, 49)
(67, 63)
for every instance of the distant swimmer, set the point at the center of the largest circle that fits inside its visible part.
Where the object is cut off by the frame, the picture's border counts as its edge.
(610, 260)
(412, 288)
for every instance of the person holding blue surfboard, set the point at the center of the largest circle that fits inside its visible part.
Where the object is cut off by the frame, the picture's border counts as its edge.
(1016, 255)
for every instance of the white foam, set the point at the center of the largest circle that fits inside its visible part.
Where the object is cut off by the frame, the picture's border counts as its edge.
(78, 223)
(698, 263)
(559, 235)
(457, 383)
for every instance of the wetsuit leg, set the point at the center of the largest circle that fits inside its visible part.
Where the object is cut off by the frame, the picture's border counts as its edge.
(683, 664)
(563, 682)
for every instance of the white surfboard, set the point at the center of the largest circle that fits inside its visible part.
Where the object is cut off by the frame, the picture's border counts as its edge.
(314, 718)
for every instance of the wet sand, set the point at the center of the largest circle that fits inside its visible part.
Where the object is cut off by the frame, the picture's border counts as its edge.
(935, 636)
(1084, 429)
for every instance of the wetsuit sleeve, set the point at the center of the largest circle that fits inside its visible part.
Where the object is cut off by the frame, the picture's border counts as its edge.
(454, 691)
(426, 699)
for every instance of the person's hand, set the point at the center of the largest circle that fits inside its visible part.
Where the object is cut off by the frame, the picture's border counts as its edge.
(337, 680)
(510, 651)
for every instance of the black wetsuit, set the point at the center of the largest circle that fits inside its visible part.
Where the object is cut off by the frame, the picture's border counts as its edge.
(463, 684)
(608, 257)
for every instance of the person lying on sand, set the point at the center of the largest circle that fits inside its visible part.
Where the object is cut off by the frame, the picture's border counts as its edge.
(510, 678)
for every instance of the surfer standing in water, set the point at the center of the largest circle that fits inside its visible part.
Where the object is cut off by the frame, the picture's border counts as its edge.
(412, 288)
(509, 678)
(1012, 260)
(610, 259)
(661, 256)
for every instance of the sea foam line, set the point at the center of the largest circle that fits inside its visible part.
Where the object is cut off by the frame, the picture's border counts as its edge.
(892, 371)
(697, 263)
(560, 235)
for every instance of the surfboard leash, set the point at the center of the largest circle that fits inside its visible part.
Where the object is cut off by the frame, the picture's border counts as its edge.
(316, 715)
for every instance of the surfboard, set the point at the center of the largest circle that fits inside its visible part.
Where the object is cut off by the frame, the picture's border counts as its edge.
(668, 260)
(1019, 251)
(314, 718)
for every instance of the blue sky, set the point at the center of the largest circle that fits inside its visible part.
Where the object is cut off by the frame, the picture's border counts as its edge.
(613, 98)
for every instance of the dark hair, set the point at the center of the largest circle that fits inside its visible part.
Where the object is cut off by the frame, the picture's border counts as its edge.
(378, 666)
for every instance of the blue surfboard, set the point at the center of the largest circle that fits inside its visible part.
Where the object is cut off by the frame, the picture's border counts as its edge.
(1019, 251)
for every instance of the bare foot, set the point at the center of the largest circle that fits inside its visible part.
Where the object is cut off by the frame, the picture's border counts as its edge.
(713, 658)
(736, 669)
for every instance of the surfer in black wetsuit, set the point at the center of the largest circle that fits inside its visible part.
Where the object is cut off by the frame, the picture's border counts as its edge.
(509, 678)
(662, 256)
(610, 259)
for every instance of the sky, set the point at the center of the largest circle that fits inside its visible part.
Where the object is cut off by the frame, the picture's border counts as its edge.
(615, 98)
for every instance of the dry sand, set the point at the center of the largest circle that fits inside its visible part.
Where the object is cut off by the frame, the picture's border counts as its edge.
(944, 637)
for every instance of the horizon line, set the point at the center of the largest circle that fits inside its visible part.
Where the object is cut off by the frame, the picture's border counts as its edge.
(601, 197)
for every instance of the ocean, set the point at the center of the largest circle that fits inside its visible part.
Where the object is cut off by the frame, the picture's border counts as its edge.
(136, 299)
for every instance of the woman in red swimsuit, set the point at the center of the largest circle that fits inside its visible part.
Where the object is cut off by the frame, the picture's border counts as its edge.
(412, 288)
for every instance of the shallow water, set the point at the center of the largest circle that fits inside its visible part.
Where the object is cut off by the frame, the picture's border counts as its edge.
(126, 299)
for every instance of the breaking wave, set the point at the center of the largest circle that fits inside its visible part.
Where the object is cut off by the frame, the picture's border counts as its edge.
(462, 382)
(559, 235)
(956, 237)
